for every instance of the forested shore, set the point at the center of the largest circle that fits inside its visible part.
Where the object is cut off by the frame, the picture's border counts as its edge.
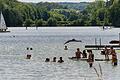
(98, 13)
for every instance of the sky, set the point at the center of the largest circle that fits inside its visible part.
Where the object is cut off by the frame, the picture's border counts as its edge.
(36, 1)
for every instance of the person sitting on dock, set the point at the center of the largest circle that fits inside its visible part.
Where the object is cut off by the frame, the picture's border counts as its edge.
(106, 53)
(90, 58)
(78, 53)
(61, 60)
(84, 54)
(114, 56)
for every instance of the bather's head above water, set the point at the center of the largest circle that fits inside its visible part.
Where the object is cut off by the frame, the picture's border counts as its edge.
(73, 39)
(78, 49)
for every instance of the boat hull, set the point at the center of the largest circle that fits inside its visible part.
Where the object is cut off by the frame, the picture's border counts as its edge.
(4, 31)
(114, 42)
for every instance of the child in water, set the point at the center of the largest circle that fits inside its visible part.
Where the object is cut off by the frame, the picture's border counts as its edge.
(106, 53)
(84, 54)
(90, 58)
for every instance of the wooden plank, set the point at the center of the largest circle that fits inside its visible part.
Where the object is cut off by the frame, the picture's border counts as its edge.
(102, 60)
(81, 59)
(101, 46)
(85, 59)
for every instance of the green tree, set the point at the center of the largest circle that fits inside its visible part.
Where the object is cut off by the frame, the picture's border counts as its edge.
(39, 22)
(115, 13)
(73, 17)
(52, 22)
(28, 22)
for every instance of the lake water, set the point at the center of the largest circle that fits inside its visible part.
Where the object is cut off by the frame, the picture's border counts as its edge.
(49, 42)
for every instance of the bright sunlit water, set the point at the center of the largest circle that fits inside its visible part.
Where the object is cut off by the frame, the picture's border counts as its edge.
(49, 42)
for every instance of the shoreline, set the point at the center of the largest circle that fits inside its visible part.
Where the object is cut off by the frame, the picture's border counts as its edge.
(69, 26)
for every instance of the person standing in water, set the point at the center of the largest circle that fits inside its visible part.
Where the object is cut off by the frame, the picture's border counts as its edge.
(106, 52)
(114, 56)
(90, 58)
(84, 54)
(78, 53)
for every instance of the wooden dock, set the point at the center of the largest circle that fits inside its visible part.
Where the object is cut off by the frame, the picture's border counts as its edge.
(85, 59)
(101, 46)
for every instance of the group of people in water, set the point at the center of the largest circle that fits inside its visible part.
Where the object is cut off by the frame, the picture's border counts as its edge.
(112, 52)
(90, 56)
(29, 53)
(87, 54)
(54, 60)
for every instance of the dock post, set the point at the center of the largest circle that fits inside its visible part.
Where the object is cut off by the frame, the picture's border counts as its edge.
(119, 38)
(100, 41)
(36, 28)
(26, 27)
(96, 42)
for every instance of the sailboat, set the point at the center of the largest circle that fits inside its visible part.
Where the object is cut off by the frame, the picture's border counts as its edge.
(3, 27)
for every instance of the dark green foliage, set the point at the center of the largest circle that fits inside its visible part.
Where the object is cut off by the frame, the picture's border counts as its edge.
(52, 22)
(49, 6)
(12, 17)
(78, 22)
(61, 14)
(77, 6)
(73, 17)
(115, 13)
(93, 22)
(28, 23)
(39, 22)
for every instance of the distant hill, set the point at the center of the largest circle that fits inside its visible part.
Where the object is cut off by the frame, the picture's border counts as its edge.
(59, 14)
(78, 6)
(49, 6)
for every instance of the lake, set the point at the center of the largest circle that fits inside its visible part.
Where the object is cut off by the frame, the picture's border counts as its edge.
(49, 42)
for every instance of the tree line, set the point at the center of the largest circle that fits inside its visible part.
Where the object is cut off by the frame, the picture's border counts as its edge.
(97, 13)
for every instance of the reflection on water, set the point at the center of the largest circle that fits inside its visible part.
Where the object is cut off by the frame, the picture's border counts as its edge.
(49, 42)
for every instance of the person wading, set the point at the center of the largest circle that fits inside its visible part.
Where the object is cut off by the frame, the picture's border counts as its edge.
(114, 56)
(106, 53)
(90, 58)
(78, 53)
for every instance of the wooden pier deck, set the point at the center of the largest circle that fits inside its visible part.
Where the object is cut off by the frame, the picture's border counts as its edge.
(101, 46)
